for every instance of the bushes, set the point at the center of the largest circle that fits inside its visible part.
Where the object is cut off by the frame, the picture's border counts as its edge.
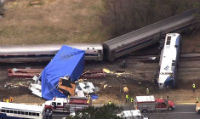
(105, 112)
(122, 16)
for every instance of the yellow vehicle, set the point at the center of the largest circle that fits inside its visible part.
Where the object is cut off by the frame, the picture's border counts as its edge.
(66, 87)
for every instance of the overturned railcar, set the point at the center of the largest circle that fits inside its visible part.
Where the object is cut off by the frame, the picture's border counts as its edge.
(147, 35)
(39, 53)
(169, 61)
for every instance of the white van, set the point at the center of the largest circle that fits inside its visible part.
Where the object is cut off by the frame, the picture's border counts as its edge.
(131, 114)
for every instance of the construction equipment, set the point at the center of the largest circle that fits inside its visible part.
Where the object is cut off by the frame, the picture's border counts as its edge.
(66, 87)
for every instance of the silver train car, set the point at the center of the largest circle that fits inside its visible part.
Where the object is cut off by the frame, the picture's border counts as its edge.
(147, 35)
(39, 53)
(169, 61)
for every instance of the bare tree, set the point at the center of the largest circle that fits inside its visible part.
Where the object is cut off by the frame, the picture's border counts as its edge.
(122, 16)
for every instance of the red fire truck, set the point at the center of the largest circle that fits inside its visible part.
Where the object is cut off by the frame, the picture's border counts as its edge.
(149, 104)
(67, 105)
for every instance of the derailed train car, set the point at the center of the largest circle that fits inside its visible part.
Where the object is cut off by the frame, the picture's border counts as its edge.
(169, 61)
(39, 53)
(111, 49)
(147, 35)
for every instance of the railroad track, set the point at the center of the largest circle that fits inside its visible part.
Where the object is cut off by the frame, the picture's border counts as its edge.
(183, 57)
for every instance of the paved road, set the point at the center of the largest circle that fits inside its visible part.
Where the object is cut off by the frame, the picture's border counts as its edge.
(181, 112)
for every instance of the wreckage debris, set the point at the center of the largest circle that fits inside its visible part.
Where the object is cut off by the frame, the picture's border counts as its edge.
(95, 74)
(23, 73)
(16, 85)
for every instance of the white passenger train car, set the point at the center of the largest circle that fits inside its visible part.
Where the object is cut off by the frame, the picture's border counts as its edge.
(169, 60)
(39, 53)
(22, 111)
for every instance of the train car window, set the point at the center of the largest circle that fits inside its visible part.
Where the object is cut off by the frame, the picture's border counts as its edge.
(22, 112)
(168, 40)
(18, 112)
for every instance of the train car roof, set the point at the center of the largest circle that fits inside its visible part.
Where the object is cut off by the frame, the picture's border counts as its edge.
(42, 49)
(151, 29)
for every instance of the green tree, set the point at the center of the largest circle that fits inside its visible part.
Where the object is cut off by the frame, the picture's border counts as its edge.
(105, 112)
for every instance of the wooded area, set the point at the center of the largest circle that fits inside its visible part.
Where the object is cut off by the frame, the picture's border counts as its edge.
(122, 16)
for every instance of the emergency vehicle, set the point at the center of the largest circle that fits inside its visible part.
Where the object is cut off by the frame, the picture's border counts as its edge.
(67, 105)
(150, 104)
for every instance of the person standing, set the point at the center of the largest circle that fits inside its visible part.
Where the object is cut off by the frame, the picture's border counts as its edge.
(147, 91)
(127, 98)
(109, 102)
(193, 87)
(132, 100)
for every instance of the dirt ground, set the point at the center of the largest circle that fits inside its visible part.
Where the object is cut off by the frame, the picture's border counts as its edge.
(141, 75)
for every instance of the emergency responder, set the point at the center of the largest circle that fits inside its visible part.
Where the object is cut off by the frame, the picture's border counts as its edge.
(123, 64)
(127, 98)
(132, 100)
(197, 99)
(11, 99)
(109, 102)
(147, 91)
(193, 87)
(7, 100)
(89, 98)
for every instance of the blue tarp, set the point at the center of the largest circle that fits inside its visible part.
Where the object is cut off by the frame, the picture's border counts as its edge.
(67, 62)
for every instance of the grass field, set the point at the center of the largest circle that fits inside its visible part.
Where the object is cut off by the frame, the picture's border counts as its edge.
(54, 21)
